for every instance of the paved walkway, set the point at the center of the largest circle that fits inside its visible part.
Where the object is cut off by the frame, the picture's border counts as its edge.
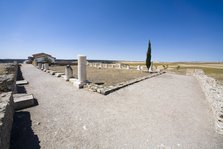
(169, 110)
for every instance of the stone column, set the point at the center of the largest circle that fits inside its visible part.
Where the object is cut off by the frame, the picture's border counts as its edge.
(34, 62)
(119, 66)
(82, 75)
(138, 67)
(151, 67)
(46, 66)
(68, 72)
(39, 65)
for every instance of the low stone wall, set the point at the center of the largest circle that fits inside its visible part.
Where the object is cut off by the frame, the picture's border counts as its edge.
(8, 75)
(6, 119)
(214, 95)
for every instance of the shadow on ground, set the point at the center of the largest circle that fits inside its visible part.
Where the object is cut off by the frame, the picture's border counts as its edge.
(19, 74)
(20, 88)
(22, 135)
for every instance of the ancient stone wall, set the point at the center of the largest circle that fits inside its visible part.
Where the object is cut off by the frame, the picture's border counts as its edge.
(6, 119)
(214, 95)
(8, 75)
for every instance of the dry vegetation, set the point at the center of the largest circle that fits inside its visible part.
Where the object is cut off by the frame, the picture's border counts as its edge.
(2, 69)
(105, 76)
(214, 70)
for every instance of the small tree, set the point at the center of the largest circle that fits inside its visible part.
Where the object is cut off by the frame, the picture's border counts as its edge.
(148, 56)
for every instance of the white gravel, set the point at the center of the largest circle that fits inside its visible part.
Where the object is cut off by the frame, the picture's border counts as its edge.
(169, 111)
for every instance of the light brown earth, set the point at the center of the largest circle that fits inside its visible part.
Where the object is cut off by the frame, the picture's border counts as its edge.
(107, 76)
(166, 111)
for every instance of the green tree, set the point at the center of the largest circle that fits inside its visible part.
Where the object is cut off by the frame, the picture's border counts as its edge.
(148, 56)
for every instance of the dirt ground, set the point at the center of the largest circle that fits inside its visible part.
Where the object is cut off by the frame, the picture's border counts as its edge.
(107, 77)
(168, 111)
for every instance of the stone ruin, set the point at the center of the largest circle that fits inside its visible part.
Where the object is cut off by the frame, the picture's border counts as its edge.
(214, 94)
(7, 88)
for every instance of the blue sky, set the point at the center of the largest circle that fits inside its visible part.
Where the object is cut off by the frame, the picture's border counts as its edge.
(179, 30)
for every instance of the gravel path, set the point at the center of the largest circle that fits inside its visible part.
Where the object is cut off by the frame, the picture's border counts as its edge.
(166, 111)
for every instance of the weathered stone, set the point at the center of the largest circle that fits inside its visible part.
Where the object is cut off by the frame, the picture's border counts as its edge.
(213, 93)
(7, 83)
(21, 82)
(58, 74)
(52, 72)
(82, 74)
(22, 101)
(39, 65)
(6, 119)
(138, 67)
(68, 72)
(46, 66)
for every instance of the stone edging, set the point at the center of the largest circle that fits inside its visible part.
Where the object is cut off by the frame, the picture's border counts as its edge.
(107, 90)
(6, 118)
(104, 90)
(214, 94)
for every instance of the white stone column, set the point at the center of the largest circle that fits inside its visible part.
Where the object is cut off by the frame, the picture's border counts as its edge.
(46, 66)
(82, 74)
(68, 72)
(34, 62)
(119, 66)
(138, 67)
(39, 65)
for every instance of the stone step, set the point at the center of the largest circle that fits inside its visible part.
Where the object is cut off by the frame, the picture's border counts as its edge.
(22, 101)
(21, 82)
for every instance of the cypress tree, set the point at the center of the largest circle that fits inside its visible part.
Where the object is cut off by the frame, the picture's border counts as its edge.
(148, 56)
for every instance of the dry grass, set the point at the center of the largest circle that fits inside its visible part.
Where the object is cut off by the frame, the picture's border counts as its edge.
(2, 69)
(105, 76)
(214, 70)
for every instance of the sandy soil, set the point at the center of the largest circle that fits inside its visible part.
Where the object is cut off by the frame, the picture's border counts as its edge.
(107, 76)
(166, 111)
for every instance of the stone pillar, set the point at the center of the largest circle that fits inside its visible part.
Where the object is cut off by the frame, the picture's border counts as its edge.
(68, 72)
(106, 65)
(42, 66)
(119, 66)
(151, 67)
(82, 75)
(46, 66)
(100, 65)
(34, 62)
(39, 65)
(138, 67)
(127, 67)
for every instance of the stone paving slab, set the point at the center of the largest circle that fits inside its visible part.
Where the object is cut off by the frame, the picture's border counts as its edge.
(21, 82)
(22, 101)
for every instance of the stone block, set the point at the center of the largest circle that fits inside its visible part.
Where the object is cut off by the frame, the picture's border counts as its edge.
(58, 74)
(52, 72)
(68, 72)
(22, 101)
(6, 119)
(21, 82)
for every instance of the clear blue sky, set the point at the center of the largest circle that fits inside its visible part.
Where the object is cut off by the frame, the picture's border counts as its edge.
(179, 30)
